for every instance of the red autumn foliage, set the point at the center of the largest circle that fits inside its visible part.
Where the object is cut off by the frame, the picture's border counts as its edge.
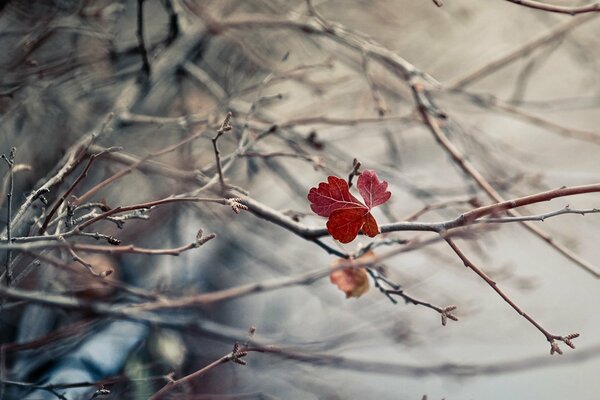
(347, 215)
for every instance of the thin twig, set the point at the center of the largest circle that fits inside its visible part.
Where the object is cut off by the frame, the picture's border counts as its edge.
(173, 21)
(236, 355)
(136, 165)
(550, 337)
(155, 203)
(354, 172)
(69, 162)
(10, 161)
(141, 41)
(523, 50)
(87, 265)
(225, 127)
(66, 194)
(380, 105)
(541, 217)
(263, 211)
(138, 292)
(487, 101)
(396, 290)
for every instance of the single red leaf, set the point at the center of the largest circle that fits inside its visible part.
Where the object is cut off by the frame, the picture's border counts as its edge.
(347, 215)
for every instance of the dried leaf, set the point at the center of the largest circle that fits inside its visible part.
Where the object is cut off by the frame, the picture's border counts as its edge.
(354, 282)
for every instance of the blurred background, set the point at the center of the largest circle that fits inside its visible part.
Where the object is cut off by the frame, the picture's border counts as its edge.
(528, 123)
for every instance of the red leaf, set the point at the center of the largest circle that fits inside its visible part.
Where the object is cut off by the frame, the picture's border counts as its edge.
(347, 215)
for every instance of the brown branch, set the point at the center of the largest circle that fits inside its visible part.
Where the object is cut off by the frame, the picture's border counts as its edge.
(105, 282)
(236, 355)
(380, 104)
(354, 172)
(527, 200)
(396, 290)
(66, 194)
(92, 248)
(473, 201)
(265, 212)
(305, 279)
(87, 265)
(59, 242)
(323, 120)
(91, 192)
(316, 161)
(315, 25)
(150, 204)
(99, 384)
(184, 121)
(10, 162)
(571, 10)
(550, 337)
(496, 104)
(141, 41)
(73, 157)
(225, 127)
(542, 217)
(6, 181)
(459, 159)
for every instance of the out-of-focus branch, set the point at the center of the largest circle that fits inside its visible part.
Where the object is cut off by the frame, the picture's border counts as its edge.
(493, 103)
(523, 50)
(236, 356)
(394, 289)
(315, 25)
(225, 127)
(93, 248)
(66, 194)
(141, 40)
(263, 211)
(10, 162)
(132, 167)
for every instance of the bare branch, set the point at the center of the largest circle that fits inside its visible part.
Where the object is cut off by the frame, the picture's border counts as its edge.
(459, 159)
(549, 336)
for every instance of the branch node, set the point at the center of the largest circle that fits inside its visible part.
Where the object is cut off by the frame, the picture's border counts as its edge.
(236, 204)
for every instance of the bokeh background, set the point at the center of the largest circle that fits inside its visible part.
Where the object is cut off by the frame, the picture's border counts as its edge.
(67, 64)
